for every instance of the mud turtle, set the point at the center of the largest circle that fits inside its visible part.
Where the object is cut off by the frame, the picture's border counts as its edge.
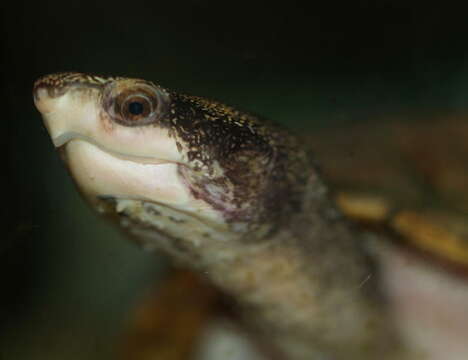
(242, 201)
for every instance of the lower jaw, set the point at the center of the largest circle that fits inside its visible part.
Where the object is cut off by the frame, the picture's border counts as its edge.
(99, 173)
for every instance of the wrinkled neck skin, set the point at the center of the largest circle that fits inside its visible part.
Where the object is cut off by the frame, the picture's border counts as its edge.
(308, 288)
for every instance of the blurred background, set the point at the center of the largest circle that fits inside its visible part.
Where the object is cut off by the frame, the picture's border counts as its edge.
(69, 281)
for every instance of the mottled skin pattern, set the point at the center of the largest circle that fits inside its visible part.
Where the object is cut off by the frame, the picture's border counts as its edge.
(302, 277)
(235, 141)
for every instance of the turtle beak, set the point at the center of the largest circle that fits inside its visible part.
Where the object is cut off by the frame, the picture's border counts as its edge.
(45, 105)
(65, 116)
(64, 109)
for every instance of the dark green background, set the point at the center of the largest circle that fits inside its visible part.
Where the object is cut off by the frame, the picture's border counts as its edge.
(67, 280)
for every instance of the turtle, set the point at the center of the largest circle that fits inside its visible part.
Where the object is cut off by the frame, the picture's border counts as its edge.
(346, 244)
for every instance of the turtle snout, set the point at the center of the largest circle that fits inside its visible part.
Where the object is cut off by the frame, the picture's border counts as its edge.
(49, 87)
(42, 100)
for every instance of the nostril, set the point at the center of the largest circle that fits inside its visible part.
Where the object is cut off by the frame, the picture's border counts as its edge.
(39, 93)
(45, 99)
(53, 84)
(39, 89)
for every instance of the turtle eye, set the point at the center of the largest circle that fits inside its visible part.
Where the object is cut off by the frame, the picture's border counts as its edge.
(136, 108)
(134, 104)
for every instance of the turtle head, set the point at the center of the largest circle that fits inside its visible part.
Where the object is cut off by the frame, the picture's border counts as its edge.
(168, 161)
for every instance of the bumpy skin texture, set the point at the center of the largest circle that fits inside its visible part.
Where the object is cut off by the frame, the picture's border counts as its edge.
(302, 278)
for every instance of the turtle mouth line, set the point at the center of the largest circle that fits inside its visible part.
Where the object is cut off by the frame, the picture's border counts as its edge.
(63, 139)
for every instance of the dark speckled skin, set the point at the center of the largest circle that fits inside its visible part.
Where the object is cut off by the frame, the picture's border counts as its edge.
(261, 160)
(300, 285)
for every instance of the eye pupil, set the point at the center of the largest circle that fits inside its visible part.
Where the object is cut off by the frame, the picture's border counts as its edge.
(135, 108)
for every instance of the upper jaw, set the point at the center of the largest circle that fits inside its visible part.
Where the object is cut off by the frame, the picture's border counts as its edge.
(63, 139)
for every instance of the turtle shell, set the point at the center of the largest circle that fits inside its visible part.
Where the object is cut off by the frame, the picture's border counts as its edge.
(408, 178)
